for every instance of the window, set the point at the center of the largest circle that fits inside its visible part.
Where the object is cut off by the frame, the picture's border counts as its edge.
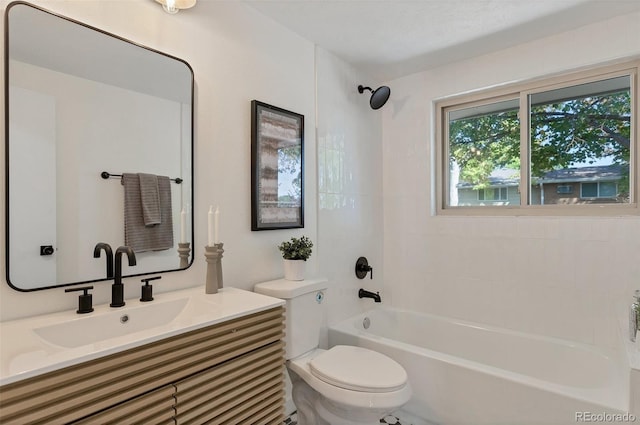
(599, 190)
(484, 147)
(564, 188)
(542, 139)
(493, 194)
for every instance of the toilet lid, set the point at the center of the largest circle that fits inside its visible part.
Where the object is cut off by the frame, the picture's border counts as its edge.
(358, 369)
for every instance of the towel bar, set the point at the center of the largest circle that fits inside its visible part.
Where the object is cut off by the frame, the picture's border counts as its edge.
(105, 175)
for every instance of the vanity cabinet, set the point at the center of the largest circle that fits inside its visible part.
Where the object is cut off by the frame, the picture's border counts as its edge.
(155, 407)
(227, 373)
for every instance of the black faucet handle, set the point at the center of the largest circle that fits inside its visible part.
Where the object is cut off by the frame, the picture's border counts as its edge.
(362, 268)
(85, 300)
(148, 279)
(147, 290)
(82, 288)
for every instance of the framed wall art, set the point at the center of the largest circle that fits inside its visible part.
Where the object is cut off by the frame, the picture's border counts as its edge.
(277, 168)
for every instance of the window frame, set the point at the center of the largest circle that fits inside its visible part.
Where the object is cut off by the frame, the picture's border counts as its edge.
(522, 91)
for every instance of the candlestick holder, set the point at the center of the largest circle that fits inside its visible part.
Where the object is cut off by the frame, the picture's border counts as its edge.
(213, 254)
(184, 249)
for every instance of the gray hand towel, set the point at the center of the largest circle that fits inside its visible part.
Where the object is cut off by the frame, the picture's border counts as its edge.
(143, 238)
(150, 199)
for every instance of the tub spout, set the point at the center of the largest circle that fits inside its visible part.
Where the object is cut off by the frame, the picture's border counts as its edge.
(366, 294)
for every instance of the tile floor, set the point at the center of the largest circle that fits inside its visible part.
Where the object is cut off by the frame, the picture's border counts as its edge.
(393, 420)
(291, 420)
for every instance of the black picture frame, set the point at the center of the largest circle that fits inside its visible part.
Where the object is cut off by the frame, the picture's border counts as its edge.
(277, 168)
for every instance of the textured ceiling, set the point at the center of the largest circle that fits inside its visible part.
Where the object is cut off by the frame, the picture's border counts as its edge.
(392, 38)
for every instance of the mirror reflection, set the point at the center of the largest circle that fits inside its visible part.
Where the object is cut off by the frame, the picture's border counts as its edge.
(81, 102)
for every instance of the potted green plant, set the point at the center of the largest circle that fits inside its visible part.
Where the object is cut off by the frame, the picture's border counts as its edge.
(295, 253)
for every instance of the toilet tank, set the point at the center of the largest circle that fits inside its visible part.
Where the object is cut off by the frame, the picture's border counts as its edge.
(304, 302)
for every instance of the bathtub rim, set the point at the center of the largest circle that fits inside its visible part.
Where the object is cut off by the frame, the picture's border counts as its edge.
(616, 394)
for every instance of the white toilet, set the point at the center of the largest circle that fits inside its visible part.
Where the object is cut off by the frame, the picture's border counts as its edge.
(344, 385)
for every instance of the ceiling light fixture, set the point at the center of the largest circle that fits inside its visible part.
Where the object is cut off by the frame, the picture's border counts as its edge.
(174, 6)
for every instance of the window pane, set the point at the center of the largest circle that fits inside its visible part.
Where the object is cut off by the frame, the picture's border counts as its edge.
(589, 190)
(492, 194)
(581, 134)
(564, 188)
(607, 190)
(484, 155)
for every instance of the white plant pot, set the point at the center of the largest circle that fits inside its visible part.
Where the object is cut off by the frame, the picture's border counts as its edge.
(294, 269)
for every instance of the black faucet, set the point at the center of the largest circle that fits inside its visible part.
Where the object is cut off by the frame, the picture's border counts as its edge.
(117, 289)
(109, 252)
(366, 294)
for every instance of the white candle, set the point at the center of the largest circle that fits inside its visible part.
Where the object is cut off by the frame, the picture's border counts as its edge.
(210, 240)
(216, 233)
(183, 226)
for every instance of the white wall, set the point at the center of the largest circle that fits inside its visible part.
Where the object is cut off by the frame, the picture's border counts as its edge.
(349, 185)
(237, 55)
(33, 124)
(555, 276)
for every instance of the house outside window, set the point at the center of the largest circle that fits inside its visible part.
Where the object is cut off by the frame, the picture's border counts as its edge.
(560, 145)
(593, 185)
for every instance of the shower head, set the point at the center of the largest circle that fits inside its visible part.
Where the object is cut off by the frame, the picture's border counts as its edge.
(379, 96)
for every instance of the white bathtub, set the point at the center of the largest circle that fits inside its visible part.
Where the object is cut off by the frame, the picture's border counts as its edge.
(465, 373)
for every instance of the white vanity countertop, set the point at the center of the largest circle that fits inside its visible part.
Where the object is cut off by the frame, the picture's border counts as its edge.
(40, 344)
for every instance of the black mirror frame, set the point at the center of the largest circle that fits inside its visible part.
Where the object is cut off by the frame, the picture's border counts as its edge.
(6, 135)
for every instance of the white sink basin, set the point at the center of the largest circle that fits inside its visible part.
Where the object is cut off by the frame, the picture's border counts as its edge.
(91, 329)
(40, 344)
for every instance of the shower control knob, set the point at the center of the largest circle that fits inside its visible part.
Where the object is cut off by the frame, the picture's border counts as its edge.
(362, 268)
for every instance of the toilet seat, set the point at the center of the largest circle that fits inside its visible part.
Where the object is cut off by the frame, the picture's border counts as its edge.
(358, 369)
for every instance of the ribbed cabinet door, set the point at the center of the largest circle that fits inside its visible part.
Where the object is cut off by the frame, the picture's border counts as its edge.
(156, 407)
(246, 390)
